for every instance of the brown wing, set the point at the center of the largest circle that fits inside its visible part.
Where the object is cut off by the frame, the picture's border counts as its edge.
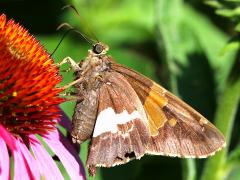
(121, 131)
(176, 128)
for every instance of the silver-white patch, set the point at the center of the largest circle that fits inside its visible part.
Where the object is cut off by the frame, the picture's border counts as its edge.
(108, 120)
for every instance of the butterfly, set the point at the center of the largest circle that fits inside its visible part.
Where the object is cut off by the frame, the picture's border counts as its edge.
(126, 115)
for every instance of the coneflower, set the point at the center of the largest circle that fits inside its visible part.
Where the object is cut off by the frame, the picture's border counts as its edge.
(29, 107)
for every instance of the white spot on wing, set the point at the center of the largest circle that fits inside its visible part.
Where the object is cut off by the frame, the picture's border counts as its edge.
(108, 120)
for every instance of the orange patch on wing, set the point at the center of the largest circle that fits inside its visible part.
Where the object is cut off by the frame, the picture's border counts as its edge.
(153, 105)
(172, 122)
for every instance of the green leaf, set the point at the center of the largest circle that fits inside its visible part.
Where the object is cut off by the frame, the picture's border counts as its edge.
(233, 1)
(211, 41)
(234, 174)
(228, 12)
(213, 3)
(237, 27)
(232, 46)
(234, 155)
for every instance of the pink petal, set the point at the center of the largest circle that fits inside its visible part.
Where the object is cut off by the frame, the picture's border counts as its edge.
(65, 122)
(46, 164)
(4, 160)
(7, 137)
(21, 170)
(31, 162)
(25, 166)
(66, 153)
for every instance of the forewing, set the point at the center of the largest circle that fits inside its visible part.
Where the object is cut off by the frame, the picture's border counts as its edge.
(176, 128)
(121, 131)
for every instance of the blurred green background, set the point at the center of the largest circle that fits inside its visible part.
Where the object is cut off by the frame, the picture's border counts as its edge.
(190, 47)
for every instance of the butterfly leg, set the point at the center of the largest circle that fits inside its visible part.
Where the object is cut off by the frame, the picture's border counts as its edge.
(72, 83)
(66, 70)
(77, 80)
(71, 96)
(73, 65)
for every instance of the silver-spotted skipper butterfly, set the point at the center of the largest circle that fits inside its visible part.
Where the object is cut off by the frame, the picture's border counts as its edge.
(127, 115)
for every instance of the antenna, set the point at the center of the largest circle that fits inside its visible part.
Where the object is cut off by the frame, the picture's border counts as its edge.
(64, 35)
(70, 6)
(76, 31)
(76, 11)
(70, 29)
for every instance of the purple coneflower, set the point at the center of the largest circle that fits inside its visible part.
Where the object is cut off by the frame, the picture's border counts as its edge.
(29, 106)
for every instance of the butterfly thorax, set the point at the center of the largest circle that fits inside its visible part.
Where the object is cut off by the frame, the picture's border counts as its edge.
(94, 68)
(93, 71)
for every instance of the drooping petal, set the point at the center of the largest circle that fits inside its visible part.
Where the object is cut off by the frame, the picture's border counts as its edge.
(7, 137)
(65, 122)
(28, 159)
(21, 170)
(66, 153)
(4, 160)
(46, 164)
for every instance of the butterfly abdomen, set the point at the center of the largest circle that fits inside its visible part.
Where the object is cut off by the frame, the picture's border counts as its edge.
(84, 117)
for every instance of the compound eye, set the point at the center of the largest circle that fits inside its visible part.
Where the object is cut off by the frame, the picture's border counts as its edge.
(98, 48)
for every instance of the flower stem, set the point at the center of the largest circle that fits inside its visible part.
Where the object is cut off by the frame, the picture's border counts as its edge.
(225, 115)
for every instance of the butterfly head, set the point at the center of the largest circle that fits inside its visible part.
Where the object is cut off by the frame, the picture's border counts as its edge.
(99, 48)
